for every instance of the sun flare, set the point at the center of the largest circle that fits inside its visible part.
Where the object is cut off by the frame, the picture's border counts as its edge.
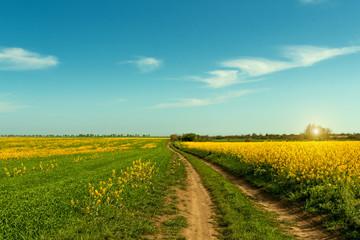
(316, 131)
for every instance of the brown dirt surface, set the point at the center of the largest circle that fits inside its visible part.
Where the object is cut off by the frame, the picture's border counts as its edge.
(303, 225)
(196, 206)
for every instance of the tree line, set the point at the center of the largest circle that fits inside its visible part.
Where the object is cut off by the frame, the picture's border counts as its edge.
(74, 136)
(311, 132)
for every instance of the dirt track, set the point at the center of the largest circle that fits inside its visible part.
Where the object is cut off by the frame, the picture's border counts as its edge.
(197, 208)
(304, 226)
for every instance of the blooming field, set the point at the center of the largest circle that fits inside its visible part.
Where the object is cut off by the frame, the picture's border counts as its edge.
(303, 162)
(325, 176)
(21, 148)
(58, 187)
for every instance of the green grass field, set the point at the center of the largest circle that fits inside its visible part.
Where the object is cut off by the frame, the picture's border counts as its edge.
(112, 188)
(50, 202)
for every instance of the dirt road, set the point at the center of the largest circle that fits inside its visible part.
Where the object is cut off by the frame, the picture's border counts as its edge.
(303, 225)
(198, 206)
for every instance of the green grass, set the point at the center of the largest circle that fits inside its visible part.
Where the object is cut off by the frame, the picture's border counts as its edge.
(173, 222)
(37, 204)
(236, 216)
(173, 226)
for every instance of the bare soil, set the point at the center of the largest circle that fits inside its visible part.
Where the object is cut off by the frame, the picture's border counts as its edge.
(196, 206)
(303, 225)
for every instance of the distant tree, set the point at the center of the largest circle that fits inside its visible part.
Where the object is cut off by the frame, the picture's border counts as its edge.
(190, 137)
(174, 137)
(205, 138)
(317, 132)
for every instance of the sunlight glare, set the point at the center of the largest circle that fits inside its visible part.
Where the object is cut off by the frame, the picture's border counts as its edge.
(316, 131)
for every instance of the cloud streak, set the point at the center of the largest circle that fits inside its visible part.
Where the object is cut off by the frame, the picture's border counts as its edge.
(9, 107)
(145, 64)
(311, 1)
(300, 56)
(17, 59)
(196, 102)
(220, 78)
(248, 68)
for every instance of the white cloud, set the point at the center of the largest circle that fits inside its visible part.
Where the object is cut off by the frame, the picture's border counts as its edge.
(233, 94)
(14, 59)
(300, 56)
(304, 56)
(220, 78)
(9, 107)
(256, 67)
(196, 102)
(185, 102)
(312, 1)
(145, 64)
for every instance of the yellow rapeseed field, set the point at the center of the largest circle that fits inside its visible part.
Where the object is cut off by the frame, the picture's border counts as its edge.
(302, 162)
(22, 148)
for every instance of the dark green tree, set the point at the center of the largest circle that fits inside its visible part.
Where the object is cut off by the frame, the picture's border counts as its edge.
(190, 137)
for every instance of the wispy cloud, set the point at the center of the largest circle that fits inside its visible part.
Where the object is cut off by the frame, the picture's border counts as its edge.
(300, 56)
(256, 67)
(311, 1)
(220, 78)
(185, 102)
(234, 95)
(196, 102)
(14, 59)
(9, 107)
(145, 64)
(248, 68)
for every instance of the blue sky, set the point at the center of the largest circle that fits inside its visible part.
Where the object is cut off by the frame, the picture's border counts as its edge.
(163, 67)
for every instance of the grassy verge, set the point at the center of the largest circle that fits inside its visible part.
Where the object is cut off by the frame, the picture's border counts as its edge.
(237, 217)
(170, 222)
(51, 204)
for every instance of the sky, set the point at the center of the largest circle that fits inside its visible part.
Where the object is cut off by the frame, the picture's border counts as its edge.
(160, 67)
